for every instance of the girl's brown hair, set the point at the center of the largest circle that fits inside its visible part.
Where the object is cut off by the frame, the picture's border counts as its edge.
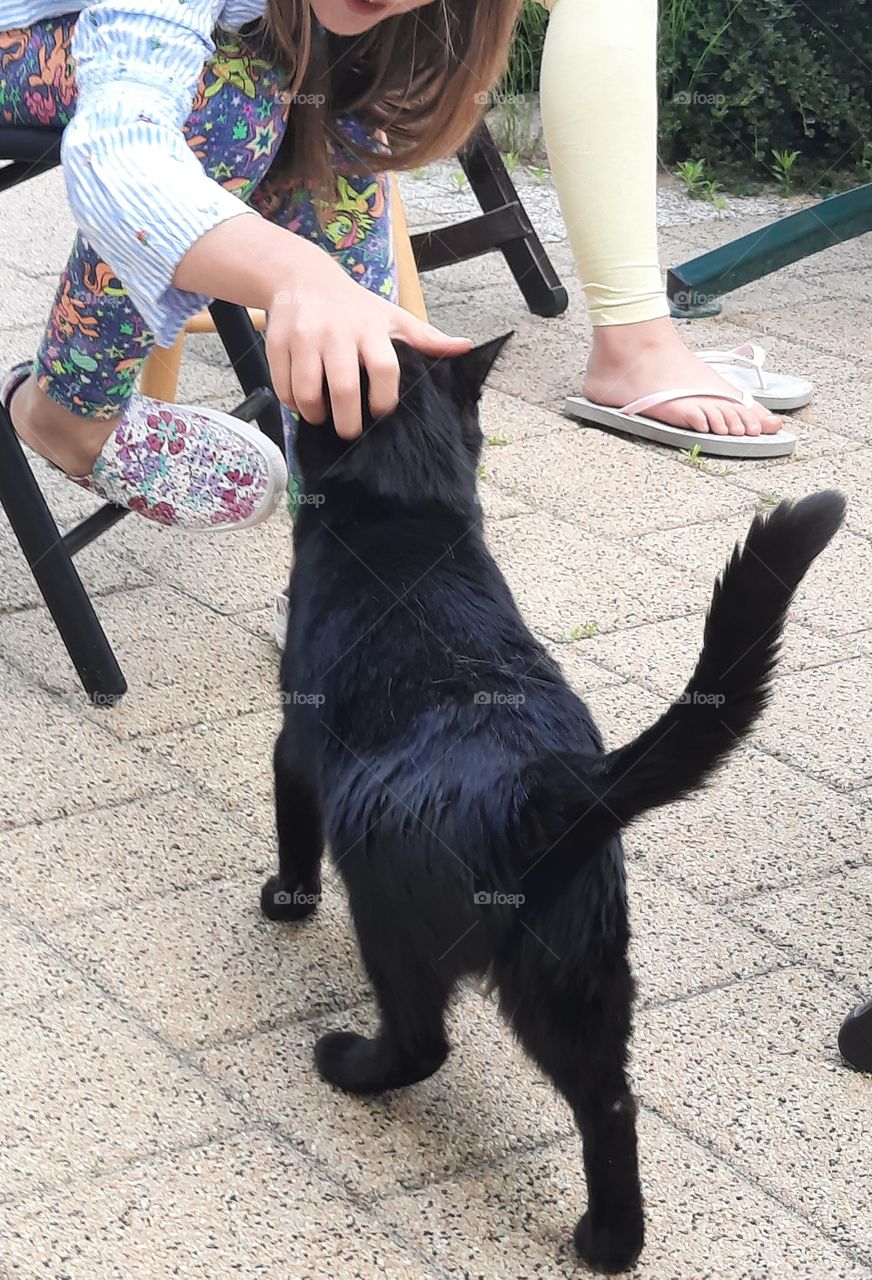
(422, 77)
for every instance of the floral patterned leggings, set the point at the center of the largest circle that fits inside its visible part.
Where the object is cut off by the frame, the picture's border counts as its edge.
(96, 342)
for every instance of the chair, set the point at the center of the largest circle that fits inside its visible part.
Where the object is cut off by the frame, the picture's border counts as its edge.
(503, 224)
(50, 553)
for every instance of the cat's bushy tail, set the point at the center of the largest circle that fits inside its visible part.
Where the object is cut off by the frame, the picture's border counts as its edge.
(578, 800)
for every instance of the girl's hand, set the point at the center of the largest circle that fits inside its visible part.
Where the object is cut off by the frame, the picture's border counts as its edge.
(322, 325)
(323, 328)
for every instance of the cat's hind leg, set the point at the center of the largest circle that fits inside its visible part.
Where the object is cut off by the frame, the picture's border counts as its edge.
(578, 1036)
(411, 992)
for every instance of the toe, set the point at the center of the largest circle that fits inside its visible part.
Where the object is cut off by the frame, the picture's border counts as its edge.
(739, 424)
(715, 416)
(694, 419)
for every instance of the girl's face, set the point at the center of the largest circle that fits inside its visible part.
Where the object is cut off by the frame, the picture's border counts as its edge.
(354, 17)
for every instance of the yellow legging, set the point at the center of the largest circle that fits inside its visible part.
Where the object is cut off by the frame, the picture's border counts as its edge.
(599, 117)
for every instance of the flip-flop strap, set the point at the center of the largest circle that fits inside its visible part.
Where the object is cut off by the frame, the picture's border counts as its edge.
(747, 356)
(645, 403)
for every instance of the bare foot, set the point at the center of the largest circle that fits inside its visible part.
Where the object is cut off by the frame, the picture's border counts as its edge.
(70, 441)
(629, 361)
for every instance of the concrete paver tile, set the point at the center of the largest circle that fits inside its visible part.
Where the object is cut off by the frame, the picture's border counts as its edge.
(703, 1220)
(230, 760)
(486, 1100)
(680, 945)
(662, 655)
(753, 1072)
(819, 720)
(576, 475)
(101, 570)
(183, 665)
(56, 761)
(831, 599)
(204, 965)
(243, 1206)
(850, 472)
(85, 1089)
(505, 418)
(229, 574)
(31, 974)
(548, 564)
(119, 856)
(759, 824)
(827, 921)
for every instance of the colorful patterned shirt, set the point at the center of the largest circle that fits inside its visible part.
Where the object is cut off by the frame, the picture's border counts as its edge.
(136, 190)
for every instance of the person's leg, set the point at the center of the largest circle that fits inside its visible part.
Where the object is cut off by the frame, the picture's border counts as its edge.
(37, 89)
(80, 398)
(599, 115)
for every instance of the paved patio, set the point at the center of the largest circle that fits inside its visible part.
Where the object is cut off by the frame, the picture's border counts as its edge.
(160, 1113)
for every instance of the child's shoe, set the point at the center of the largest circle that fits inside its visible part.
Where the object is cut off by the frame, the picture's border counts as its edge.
(194, 469)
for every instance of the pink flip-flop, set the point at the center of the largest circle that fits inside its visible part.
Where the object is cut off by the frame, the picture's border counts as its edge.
(631, 420)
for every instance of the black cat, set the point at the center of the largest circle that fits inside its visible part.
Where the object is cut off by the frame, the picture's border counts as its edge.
(462, 786)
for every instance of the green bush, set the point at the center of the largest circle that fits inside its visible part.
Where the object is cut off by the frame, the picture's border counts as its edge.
(739, 81)
(522, 73)
(745, 81)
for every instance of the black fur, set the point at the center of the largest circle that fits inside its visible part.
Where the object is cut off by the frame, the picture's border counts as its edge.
(462, 786)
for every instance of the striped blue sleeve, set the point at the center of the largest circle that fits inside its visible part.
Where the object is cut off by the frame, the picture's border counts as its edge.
(138, 193)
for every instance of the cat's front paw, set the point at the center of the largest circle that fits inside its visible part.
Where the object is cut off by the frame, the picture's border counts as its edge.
(609, 1247)
(279, 902)
(360, 1065)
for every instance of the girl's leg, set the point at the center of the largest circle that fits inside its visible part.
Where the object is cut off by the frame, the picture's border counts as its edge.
(81, 394)
(599, 113)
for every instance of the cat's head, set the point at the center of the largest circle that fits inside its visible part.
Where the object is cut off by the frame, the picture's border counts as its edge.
(427, 449)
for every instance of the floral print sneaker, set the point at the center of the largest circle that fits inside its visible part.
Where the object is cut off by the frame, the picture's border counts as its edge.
(194, 469)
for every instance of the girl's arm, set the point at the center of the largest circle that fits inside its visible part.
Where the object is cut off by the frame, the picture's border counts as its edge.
(177, 239)
(136, 190)
(323, 326)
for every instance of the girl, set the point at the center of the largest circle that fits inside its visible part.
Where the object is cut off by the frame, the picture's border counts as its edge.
(174, 111)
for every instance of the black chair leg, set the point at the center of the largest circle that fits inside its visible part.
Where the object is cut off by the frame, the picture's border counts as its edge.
(56, 576)
(246, 352)
(525, 255)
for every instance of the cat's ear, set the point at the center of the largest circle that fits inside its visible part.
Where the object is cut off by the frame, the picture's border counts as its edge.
(472, 368)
